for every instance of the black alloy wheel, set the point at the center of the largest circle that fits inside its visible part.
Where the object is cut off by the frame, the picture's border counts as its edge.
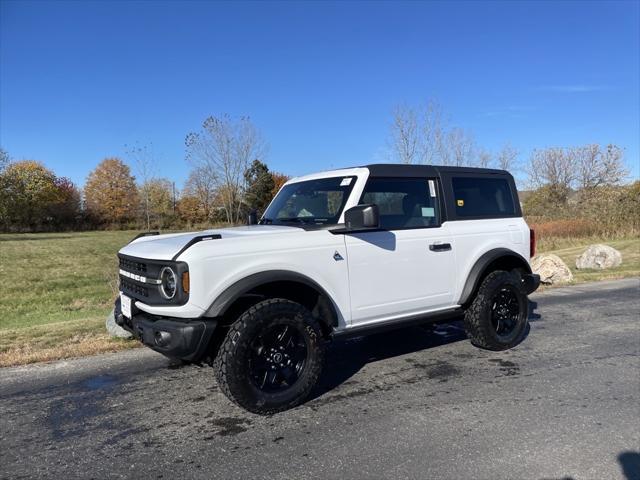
(278, 358)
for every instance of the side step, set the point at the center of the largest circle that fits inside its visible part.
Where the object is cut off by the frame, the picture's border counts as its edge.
(436, 317)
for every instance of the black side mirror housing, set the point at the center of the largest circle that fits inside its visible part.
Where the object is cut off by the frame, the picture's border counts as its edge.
(252, 218)
(362, 217)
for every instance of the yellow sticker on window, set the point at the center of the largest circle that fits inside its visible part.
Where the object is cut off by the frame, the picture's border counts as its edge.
(461, 203)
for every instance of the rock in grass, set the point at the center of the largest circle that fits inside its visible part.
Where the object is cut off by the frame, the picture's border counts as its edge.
(551, 268)
(114, 329)
(599, 257)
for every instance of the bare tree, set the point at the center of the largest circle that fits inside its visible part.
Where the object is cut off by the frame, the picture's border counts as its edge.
(224, 148)
(145, 168)
(484, 158)
(555, 167)
(405, 134)
(431, 132)
(460, 147)
(584, 167)
(596, 166)
(417, 133)
(4, 159)
(507, 157)
(201, 184)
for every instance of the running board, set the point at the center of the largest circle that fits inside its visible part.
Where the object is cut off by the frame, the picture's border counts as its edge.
(435, 317)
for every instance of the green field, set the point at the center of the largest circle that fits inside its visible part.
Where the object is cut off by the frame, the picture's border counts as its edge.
(59, 288)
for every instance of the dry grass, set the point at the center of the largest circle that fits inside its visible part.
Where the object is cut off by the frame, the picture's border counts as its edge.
(555, 234)
(569, 249)
(55, 341)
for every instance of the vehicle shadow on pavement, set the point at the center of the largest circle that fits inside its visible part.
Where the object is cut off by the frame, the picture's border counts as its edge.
(630, 464)
(345, 358)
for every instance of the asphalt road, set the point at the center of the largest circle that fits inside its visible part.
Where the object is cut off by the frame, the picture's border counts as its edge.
(415, 403)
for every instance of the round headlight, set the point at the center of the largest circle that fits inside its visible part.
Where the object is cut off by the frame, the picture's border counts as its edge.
(168, 283)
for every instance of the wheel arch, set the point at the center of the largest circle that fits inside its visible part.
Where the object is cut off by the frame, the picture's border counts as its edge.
(281, 284)
(496, 259)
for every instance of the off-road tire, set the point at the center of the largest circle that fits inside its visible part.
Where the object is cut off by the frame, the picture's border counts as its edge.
(477, 319)
(231, 365)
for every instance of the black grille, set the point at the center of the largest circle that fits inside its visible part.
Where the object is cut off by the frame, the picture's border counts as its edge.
(134, 288)
(132, 266)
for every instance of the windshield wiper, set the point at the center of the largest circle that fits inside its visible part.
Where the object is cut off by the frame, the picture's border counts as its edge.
(296, 219)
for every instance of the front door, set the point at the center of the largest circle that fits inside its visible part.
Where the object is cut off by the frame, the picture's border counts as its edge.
(406, 268)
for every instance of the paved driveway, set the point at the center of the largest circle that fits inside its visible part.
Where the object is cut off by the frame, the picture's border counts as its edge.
(413, 403)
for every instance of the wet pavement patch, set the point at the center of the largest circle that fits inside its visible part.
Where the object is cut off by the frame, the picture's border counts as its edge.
(230, 425)
(507, 368)
(99, 382)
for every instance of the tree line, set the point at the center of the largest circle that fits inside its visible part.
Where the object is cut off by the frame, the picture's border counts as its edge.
(229, 177)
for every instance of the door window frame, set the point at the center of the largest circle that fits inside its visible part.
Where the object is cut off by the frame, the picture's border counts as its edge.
(449, 195)
(441, 213)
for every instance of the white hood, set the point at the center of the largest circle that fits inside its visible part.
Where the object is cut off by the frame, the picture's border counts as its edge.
(165, 247)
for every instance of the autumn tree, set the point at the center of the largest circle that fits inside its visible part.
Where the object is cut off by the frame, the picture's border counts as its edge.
(64, 208)
(111, 195)
(28, 187)
(201, 186)
(223, 149)
(260, 185)
(159, 201)
(189, 209)
(279, 179)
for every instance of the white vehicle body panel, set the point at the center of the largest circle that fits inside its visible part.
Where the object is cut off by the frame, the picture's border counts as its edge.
(394, 273)
(376, 277)
(473, 238)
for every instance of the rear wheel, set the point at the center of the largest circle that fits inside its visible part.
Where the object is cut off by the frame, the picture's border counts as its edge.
(271, 357)
(497, 317)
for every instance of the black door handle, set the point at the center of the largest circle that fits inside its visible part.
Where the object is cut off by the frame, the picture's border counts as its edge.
(440, 247)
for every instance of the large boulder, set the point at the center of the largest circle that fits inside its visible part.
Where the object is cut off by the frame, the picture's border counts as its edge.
(114, 329)
(551, 268)
(599, 257)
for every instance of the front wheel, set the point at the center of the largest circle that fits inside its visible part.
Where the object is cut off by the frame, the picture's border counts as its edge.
(497, 317)
(271, 357)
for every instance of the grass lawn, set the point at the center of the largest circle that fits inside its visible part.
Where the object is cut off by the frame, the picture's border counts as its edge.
(59, 288)
(570, 249)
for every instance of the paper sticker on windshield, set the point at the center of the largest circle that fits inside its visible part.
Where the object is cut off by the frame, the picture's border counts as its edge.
(460, 203)
(429, 212)
(345, 182)
(432, 188)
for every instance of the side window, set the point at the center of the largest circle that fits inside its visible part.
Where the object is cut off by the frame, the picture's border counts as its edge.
(482, 197)
(404, 202)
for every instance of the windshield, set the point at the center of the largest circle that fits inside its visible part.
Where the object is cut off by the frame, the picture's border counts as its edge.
(311, 202)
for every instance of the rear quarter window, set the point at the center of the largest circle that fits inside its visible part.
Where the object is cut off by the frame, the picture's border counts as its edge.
(482, 197)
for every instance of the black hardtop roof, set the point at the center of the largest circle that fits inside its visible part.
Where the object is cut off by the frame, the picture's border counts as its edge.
(406, 170)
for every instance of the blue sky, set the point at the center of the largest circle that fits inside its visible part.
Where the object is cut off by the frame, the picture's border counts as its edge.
(80, 80)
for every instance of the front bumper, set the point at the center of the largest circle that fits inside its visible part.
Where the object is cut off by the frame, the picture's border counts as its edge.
(531, 282)
(187, 339)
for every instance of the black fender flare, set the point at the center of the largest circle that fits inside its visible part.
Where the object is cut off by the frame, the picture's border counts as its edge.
(477, 273)
(222, 303)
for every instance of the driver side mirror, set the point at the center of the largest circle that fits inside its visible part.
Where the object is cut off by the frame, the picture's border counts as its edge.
(362, 217)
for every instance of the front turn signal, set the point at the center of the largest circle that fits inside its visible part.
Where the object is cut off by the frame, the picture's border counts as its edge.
(185, 282)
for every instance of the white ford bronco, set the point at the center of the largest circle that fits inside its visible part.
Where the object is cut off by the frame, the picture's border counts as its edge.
(338, 253)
